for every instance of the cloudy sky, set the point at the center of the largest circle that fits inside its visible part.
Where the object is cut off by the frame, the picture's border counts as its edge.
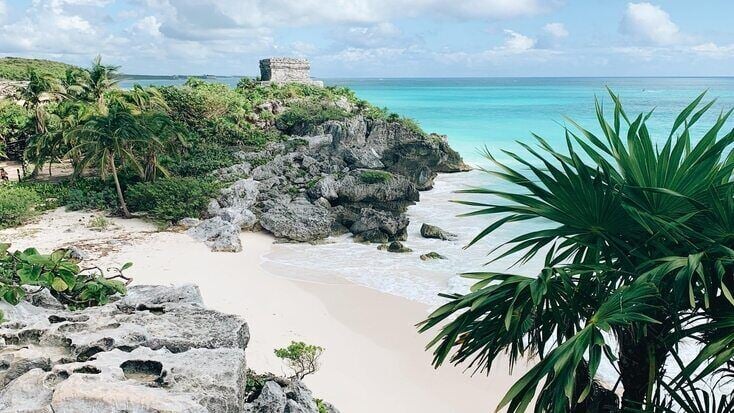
(381, 38)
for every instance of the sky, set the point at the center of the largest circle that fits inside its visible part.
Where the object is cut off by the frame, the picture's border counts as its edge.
(380, 38)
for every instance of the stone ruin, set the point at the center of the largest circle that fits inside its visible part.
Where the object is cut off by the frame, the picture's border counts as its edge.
(287, 70)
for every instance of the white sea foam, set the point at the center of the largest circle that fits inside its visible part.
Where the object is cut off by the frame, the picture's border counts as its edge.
(406, 275)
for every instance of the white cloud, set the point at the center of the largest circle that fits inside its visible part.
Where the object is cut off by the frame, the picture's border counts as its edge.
(712, 49)
(516, 42)
(148, 25)
(556, 30)
(650, 24)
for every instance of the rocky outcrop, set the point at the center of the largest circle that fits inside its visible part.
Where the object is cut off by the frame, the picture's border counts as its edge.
(218, 234)
(355, 175)
(285, 396)
(158, 349)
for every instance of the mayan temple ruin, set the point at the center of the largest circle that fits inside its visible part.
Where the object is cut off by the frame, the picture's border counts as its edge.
(287, 70)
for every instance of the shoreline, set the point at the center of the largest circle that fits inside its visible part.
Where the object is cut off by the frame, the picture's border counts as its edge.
(374, 358)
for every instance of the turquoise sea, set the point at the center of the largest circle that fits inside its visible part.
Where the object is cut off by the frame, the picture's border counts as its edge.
(474, 113)
(495, 112)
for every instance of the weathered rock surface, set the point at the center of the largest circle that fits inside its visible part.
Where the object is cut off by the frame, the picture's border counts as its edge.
(395, 246)
(432, 231)
(299, 220)
(285, 396)
(357, 174)
(156, 350)
(218, 234)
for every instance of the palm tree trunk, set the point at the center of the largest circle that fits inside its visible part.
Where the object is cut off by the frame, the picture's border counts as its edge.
(120, 197)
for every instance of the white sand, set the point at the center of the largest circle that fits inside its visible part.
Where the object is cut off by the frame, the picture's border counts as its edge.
(374, 359)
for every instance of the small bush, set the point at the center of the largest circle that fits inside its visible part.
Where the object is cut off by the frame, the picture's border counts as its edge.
(201, 160)
(171, 199)
(374, 177)
(17, 205)
(304, 116)
(99, 223)
(90, 194)
(51, 195)
(301, 358)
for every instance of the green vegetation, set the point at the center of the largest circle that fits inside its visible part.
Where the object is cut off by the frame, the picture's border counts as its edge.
(99, 223)
(17, 68)
(171, 199)
(299, 118)
(638, 249)
(143, 141)
(374, 177)
(60, 275)
(17, 205)
(301, 358)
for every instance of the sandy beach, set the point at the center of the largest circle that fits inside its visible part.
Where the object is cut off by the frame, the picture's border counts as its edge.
(374, 359)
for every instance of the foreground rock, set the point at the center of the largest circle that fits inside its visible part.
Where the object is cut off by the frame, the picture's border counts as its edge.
(156, 350)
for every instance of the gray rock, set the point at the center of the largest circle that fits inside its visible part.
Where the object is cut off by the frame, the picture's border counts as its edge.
(157, 349)
(299, 220)
(188, 222)
(393, 225)
(272, 399)
(432, 231)
(77, 253)
(300, 398)
(372, 235)
(395, 246)
(234, 172)
(432, 256)
(241, 194)
(28, 393)
(218, 234)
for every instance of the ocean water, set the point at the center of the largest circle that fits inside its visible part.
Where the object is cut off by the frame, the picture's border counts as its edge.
(477, 113)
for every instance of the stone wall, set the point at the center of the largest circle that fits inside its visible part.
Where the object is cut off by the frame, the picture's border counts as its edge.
(286, 70)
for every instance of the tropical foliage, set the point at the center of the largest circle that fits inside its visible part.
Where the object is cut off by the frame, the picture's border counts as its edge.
(59, 274)
(17, 68)
(638, 259)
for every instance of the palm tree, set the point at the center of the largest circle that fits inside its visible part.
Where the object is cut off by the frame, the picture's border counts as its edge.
(41, 88)
(108, 140)
(639, 257)
(97, 81)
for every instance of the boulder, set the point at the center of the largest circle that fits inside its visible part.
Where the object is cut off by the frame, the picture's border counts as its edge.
(392, 225)
(432, 231)
(393, 191)
(218, 234)
(395, 246)
(299, 220)
(284, 396)
(234, 172)
(432, 256)
(157, 349)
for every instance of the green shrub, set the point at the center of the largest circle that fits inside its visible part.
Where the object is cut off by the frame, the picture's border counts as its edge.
(374, 177)
(51, 195)
(90, 193)
(301, 358)
(201, 160)
(171, 199)
(302, 117)
(61, 276)
(17, 205)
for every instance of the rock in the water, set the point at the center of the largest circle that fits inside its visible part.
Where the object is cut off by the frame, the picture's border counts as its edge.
(158, 349)
(299, 220)
(395, 246)
(218, 234)
(432, 231)
(432, 256)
